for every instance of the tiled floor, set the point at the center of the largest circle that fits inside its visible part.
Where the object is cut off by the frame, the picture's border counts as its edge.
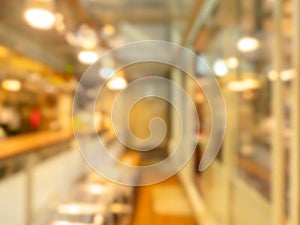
(145, 213)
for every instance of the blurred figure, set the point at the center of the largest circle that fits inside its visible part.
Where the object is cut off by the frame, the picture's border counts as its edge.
(10, 119)
(35, 118)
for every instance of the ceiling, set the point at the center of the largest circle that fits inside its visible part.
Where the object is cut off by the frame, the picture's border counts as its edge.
(133, 20)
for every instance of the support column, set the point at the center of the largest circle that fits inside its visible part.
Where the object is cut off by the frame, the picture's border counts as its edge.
(278, 153)
(295, 151)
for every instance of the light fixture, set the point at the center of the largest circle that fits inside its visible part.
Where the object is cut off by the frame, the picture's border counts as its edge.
(285, 75)
(247, 44)
(87, 37)
(79, 208)
(272, 75)
(117, 83)
(232, 62)
(250, 84)
(96, 189)
(99, 219)
(39, 18)
(88, 57)
(243, 85)
(235, 86)
(11, 85)
(106, 72)
(109, 30)
(220, 68)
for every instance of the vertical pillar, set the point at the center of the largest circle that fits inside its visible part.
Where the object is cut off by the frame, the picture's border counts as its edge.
(278, 156)
(229, 155)
(295, 150)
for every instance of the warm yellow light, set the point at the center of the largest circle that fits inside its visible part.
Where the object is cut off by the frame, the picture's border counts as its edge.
(250, 84)
(232, 62)
(243, 85)
(79, 208)
(88, 57)
(3, 52)
(96, 189)
(285, 75)
(247, 44)
(39, 18)
(109, 30)
(11, 85)
(235, 86)
(117, 83)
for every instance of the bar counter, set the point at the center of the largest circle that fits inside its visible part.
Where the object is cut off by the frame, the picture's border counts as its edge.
(31, 142)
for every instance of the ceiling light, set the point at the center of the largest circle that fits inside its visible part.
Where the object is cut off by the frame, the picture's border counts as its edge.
(87, 37)
(243, 85)
(39, 18)
(250, 84)
(220, 68)
(285, 75)
(272, 75)
(247, 44)
(88, 57)
(232, 62)
(117, 83)
(79, 208)
(96, 189)
(11, 85)
(106, 72)
(235, 86)
(109, 30)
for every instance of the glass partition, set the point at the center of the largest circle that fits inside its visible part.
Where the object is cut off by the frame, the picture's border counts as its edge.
(237, 42)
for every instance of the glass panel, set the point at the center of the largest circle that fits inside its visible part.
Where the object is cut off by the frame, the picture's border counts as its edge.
(236, 42)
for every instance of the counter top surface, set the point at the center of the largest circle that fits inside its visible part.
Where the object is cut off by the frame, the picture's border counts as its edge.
(25, 143)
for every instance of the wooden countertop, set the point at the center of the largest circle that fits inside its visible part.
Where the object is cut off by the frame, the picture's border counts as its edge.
(26, 143)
